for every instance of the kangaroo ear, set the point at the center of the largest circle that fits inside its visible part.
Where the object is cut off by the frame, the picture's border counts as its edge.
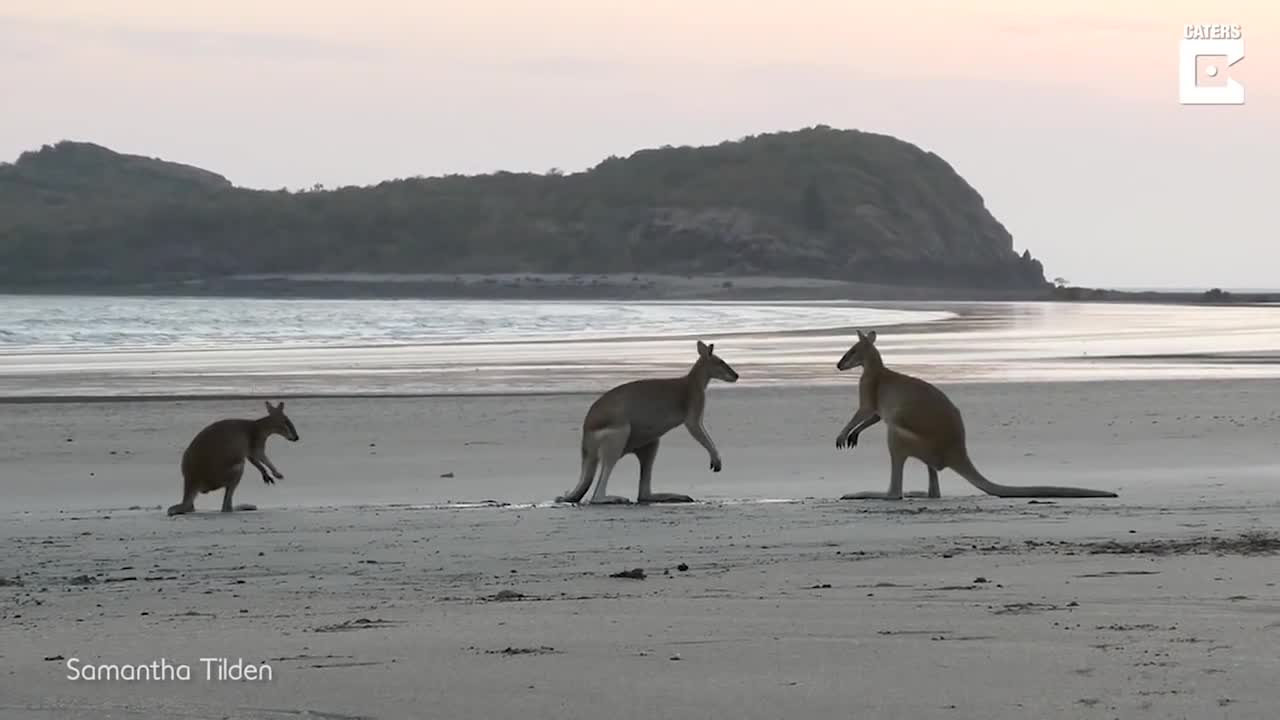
(871, 338)
(703, 350)
(861, 336)
(711, 348)
(280, 407)
(268, 404)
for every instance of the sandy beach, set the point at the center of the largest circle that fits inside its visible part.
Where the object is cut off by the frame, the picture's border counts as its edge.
(368, 595)
(405, 268)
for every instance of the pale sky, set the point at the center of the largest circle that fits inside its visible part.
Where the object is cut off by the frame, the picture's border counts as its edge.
(1063, 115)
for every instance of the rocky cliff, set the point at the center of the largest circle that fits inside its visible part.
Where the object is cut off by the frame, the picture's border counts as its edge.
(819, 202)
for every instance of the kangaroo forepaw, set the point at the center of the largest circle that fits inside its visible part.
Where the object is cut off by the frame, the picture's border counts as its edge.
(716, 465)
(279, 475)
(267, 479)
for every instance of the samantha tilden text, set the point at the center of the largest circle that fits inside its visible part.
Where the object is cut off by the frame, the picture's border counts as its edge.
(209, 669)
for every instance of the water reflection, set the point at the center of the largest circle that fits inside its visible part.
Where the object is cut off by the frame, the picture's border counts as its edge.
(145, 347)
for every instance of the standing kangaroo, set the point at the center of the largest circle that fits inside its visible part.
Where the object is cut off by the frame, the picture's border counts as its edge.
(923, 423)
(215, 458)
(632, 417)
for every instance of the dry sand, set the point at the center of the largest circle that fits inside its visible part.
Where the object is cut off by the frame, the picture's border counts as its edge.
(1160, 604)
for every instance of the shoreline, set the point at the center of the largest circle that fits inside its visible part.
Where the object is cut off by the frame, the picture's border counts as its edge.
(794, 346)
(615, 287)
(850, 383)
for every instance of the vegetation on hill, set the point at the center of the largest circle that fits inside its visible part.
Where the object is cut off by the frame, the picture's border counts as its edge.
(817, 202)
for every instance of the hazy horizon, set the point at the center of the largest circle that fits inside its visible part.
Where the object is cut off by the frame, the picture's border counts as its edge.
(1065, 117)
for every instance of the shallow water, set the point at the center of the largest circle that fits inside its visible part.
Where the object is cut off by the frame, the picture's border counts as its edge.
(103, 347)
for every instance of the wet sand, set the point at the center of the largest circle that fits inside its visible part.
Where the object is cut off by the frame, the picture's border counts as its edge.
(368, 596)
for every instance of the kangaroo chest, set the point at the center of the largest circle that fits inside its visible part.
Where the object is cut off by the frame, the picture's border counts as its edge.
(875, 398)
(869, 394)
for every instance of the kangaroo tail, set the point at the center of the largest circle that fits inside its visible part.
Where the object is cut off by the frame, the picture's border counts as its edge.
(964, 467)
(589, 462)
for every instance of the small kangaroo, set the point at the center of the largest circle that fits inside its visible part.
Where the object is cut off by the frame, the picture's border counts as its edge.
(922, 423)
(632, 417)
(215, 458)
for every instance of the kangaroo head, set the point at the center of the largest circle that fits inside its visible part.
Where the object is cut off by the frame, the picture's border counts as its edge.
(857, 354)
(279, 423)
(716, 368)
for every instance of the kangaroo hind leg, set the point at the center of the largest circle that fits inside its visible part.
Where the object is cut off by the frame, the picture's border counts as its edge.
(646, 455)
(934, 491)
(233, 475)
(188, 503)
(897, 460)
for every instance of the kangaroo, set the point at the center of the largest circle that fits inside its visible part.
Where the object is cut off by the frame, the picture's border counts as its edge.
(215, 458)
(632, 417)
(922, 423)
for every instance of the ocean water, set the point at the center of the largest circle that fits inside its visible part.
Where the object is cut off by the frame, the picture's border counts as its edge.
(121, 346)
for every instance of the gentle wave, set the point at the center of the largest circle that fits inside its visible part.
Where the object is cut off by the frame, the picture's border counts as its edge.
(103, 347)
(121, 347)
(43, 324)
